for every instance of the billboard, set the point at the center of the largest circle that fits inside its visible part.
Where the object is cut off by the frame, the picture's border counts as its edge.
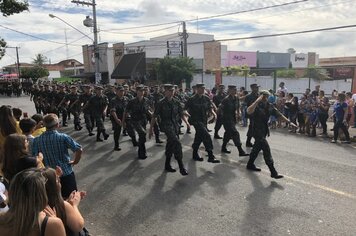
(299, 60)
(238, 58)
(273, 60)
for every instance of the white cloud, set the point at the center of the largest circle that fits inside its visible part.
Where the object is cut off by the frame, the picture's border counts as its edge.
(310, 15)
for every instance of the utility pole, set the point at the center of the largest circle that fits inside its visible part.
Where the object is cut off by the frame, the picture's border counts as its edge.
(67, 50)
(18, 60)
(185, 37)
(95, 28)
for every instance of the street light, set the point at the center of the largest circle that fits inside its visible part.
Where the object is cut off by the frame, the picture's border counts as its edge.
(86, 35)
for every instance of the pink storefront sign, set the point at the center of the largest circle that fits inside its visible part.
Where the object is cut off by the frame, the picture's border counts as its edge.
(237, 58)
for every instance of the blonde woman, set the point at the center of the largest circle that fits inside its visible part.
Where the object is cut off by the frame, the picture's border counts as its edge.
(27, 200)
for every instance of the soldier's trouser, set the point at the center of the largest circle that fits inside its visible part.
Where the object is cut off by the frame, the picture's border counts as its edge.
(261, 144)
(249, 132)
(140, 128)
(88, 121)
(218, 123)
(99, 123)
(156, 130)
(38, 108)
(64, 115)
(76, 114)
(231, 133)
(117, 132)
(202, 135)
(130, 130)
(173, 145)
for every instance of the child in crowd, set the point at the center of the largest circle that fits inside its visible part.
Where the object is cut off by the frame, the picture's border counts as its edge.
(28, 126)
(39, 129)
(272, 99)
(313, 117)
(17, 112)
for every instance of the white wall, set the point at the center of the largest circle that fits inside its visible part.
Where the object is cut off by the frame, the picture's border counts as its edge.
(54, 74)
(111, 66)
(296, 86)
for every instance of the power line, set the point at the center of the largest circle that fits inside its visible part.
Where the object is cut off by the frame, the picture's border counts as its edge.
(36, 37)
(144, 32)
(210, 17)
(69, 44)
(279, 34)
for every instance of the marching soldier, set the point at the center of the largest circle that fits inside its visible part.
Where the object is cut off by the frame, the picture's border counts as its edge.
(117, 109)
(198, 106)
(83, 100)
(98, 104)
(138, 108)
(168, 109)
(229, 109)
(110, 94)
(72, 100)
(217, 99)
(61, 108)
(249, 99)
(35, 98)
(155, 97)
(260, 111)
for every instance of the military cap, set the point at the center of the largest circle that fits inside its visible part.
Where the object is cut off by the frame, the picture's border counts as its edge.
(200, 85)
(46, 85)
(120, 88)
(125, 86)
(60, 85)
(168, 87)
(231, 87)
(221, 86)
(265, 92)
(139, 87)
(41, 86)
(254, 85)
(145, 87)
(156, 86)
(73, 86)
(98, 87)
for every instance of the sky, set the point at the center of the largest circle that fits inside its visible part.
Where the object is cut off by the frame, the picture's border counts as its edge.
(118, 21)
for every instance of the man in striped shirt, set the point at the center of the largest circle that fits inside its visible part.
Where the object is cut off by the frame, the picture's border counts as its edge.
(54, 147)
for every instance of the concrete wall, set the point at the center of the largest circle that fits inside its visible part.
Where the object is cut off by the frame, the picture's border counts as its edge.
(296, 86)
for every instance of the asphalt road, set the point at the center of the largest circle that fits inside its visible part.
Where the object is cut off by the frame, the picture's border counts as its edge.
(127, 196)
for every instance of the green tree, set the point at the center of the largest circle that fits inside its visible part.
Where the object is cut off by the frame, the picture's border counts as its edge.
(175, 70)
(34, 73)
(286, 73)
(39, 59)
(317, 73)
(8, 8)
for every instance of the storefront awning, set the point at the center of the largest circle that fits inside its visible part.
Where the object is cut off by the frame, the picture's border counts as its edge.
(130, 66)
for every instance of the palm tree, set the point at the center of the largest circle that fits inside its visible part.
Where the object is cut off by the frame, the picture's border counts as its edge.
(39, 59)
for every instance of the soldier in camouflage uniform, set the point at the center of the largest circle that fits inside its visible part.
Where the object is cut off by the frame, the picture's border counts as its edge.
(229, 109)
(35, 98)
(117, 108)
(167, 110)
(217, 100)
(155, 97)
(98, 104)
(61, 108)
(88, 117)
(198, 107)
(72, 100)
(138, 109)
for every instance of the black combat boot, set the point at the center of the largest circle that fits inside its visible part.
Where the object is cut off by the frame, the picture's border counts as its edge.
(274, 173)
(158, 140)
(183, 171)
(90, 130)
(216, 136)
(196, 156)
(211, 158)
(134, 142)
(142, 151)
(251, 166)
(168, 166)
(224, 149)
(242, 153)
(98, 139)
(106, 136)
